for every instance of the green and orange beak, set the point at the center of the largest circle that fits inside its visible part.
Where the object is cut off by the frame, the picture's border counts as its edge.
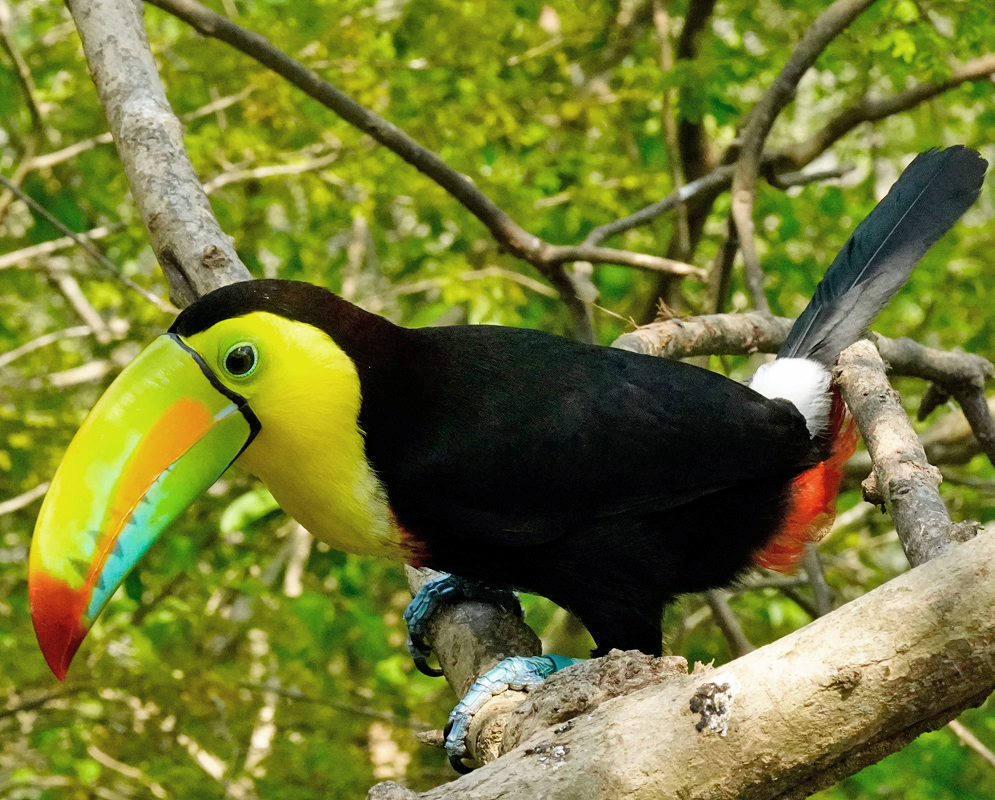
(165, 430)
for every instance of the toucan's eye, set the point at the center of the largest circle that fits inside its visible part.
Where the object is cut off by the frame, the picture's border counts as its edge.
(240, 360)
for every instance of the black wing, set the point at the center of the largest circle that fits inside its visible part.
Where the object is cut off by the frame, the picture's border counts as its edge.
(516, 437)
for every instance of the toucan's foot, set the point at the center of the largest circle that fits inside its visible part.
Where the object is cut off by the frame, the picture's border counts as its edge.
(447, 589)
(518, 672)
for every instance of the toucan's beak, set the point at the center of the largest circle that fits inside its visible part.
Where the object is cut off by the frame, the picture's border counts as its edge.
(162, 434)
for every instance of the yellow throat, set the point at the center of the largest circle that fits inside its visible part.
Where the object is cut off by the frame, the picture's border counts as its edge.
(310, 452)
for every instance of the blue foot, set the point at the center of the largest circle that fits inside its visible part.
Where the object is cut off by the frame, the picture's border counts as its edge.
(517, 672)
(447, 589)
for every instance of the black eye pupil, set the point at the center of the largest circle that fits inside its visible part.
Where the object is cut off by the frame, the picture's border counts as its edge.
(240, 360)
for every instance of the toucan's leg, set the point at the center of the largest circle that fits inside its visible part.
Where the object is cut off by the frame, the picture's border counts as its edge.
(518, 672)
(447, 589)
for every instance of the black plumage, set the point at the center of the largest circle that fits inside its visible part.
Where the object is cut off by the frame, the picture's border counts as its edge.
(605, 480)
(925, 202)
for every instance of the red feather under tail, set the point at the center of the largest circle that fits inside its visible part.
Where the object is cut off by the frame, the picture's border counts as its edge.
(811, 506)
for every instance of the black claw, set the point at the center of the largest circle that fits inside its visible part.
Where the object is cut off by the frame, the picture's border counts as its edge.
(422, 665)
(458, 765)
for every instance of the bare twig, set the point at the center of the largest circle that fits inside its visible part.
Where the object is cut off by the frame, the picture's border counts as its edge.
(58, 269)
(22, 70)
(89, 249)
(662, 22)
(85, 373)
(273, 171)
(492, 271)
(961, 375)
(41, 701)
(46, 160)
(868, 109)
(971, 399)
(817, 580)
(803, 602)
(714, 182)
(75, 332)
(823, 30)
(339, 705)
(127, 770)
(22, 500)
(967, 738)
(26, 254)
(718, 601)
(721, 274)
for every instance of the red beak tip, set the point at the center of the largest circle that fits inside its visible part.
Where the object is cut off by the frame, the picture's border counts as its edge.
(59, 645)
(56, 612)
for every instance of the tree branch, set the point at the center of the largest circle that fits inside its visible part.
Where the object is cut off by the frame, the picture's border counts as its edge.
(902, 478)
(194, 252)
(961, 375)
(548, 259)
(800, 713)
(270, 171)
(968, 739)
(718, 180)
(868, 109)
(26, 254)
(722, 613)
(23, 500)
(83, 240)
(21, 68)
(823, 30)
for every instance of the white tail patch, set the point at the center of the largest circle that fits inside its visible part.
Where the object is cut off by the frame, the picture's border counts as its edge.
(802, 382)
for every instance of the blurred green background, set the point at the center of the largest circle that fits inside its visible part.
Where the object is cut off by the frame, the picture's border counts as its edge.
(241, 660)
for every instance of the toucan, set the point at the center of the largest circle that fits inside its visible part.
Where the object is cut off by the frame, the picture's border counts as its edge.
(605, 480)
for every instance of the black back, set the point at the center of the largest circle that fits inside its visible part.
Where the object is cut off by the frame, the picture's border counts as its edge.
(605, 480)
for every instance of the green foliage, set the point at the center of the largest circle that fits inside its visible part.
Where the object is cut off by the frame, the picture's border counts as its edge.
(556, 114)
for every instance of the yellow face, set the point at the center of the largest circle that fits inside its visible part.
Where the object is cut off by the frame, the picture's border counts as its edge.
(305, 392)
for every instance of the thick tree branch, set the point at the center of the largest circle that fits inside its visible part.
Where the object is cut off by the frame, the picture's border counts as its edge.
(801, 713)
(469, 638)
(194, 252)
(827, 26)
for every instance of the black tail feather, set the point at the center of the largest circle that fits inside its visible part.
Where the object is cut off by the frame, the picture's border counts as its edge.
(925, 202)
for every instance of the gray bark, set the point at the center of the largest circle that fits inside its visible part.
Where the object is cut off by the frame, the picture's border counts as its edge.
(194, 252)
(800, 714)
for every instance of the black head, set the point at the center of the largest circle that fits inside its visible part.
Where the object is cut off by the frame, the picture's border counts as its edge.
(366, 338)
